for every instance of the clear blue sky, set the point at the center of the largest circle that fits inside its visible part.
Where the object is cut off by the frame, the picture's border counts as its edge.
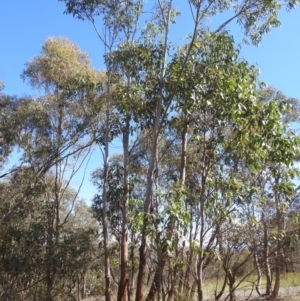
(26, 24)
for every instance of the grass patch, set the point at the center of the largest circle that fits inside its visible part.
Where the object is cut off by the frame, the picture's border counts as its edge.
(287, 280)
(212, 285)
(290, 280)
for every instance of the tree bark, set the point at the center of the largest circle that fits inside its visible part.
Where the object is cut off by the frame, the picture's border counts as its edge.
(231, 281)
(279, 255)
(151, 168)
(258, 269)
(267, 257)
(275, 290)
(157, 281)
(124, 274)
(104, 200)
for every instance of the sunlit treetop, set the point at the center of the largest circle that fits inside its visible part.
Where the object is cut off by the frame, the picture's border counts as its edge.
(60, 64)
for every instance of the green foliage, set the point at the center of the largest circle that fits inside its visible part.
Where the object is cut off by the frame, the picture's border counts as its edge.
(175, 209)
(117, 15)
(195, 113)
(28, 254)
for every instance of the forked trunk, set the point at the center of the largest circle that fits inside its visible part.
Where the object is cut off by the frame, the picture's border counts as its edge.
(158, 277)
(275, 291)
(231, 281)
(258, 269)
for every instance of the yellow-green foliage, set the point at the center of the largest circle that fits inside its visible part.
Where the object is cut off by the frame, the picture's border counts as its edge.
(61, 64)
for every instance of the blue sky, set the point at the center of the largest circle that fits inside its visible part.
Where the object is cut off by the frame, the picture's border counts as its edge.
(26, 24)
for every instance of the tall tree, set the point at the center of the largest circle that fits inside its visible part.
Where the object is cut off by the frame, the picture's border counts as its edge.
(256, 17)
(49, 130)
(56, 125)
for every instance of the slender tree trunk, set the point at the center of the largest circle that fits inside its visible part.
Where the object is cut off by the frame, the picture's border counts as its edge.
(278, 262)
(174, 270)
(49, 259)
(124, 274)
(83, 287)
(182, 272)
(200, 266)
(279, 255)
(221, 292)
(174, 278)
(130, 294)
(231, 281)
(54, 210)
(267, 257)
(49, 288)
(200, 279)
(187, 288)
(229, 274)
(258, 269)
(104, 200)
(157, 280)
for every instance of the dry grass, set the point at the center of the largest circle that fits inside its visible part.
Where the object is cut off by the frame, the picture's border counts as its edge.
(288, 282)
(281, 298)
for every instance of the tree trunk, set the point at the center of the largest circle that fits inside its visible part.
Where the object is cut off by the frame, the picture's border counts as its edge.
(187, 289)
(278, 262)
(279, 255)
(258, 269)
(267, 257)
(231, 281)
(49, 287)
(49, 260)
(221, 292)
(157, 281)
(83, 287)
(200, 279)
(124, 274)
(104, 200)
(200, 265)
(172, 290)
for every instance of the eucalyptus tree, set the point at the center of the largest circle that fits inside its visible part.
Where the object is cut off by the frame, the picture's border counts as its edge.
(282, 151)
(128, 20)
(54, 133)
(213, 83)
(62, 127)
(120, 20)
(50, 128)
(232, 131)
